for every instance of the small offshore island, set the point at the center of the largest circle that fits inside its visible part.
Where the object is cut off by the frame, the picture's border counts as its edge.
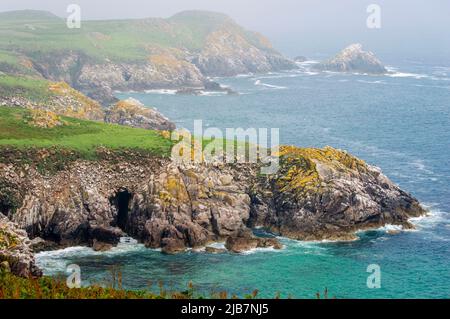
(80, 167)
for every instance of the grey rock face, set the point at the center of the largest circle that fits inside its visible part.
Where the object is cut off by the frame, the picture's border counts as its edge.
(15, 252)
(317, 194)
(353, 59)
(228, 53)
(329, 194)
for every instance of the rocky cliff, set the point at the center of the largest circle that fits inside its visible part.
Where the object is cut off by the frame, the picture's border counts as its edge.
(317, 194)
(16, 254)
(104, 56)
(47, 101)
(353, 59)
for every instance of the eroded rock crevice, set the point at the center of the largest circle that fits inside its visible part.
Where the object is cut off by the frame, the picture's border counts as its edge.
(121, 202)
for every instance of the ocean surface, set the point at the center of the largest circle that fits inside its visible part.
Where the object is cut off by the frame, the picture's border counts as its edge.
(399, 122)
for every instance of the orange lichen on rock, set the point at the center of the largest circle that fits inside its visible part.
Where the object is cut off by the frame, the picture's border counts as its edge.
(70, 102)
(44, 119)
(165, 60)
(299, 171)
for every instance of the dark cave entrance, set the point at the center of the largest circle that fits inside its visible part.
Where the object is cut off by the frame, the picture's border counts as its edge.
(122, 201)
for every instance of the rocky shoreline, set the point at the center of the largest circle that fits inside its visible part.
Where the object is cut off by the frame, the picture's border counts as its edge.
(317, 194)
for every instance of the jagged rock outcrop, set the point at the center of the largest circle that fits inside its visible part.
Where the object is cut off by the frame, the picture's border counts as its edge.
(59, 98)
(62, 100)
(159, 72)
(15, 252)
(328, 194)
(133, 113)
(208, 86)
(317, 194)
(228, 53)
(353, 59)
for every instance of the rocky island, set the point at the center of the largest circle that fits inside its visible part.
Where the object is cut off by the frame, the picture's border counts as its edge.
(353, 59)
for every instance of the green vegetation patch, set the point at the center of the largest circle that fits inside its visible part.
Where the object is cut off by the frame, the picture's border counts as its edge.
(13, 287)
(40, 34)
(29, 88)
(80, 136)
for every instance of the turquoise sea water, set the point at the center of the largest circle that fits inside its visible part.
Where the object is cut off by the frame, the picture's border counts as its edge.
(399, 122)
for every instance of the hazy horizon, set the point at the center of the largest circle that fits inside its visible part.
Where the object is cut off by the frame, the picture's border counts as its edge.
(409, 29)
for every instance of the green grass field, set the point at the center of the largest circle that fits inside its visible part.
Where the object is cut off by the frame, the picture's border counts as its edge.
(84, 137)
(30, 88)
(38, 33)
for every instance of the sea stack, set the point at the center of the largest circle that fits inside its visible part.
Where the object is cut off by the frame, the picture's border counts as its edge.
(355, 60)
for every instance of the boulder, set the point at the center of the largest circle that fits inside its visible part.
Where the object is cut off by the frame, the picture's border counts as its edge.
(172, 246)
(269, 243)
(241, 244)
(106, 234)
(101, 246)
(38, 244)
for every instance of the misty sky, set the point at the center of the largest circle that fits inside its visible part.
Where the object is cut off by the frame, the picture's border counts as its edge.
(411, 29)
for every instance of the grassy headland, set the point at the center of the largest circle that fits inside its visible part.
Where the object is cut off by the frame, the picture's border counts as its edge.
(39, 32)
(84, 137)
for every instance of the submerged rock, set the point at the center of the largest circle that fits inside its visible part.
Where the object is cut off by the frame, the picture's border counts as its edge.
(241, 244)
(208, 86)
(300, 59)
(353, 59)
(213, 250)
(172, 246)
(245, 241)
(101, 246)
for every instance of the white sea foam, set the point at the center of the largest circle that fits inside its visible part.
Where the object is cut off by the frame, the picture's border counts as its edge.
(407, 75)
(57, 260)
(244, 75)
(161, 91)
(310, 73)
(262, 250)
(218, 245)
(259, 83)
(308, 62)
(390, 228)
(395, 73)
(211, 93)
(430, 220)
(372, 82)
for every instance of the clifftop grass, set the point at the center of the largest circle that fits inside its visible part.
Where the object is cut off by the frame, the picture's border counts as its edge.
(83, 137)
(29, 88)
(41, 32)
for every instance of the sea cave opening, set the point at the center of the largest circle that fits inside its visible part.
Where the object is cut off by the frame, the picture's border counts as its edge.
(122, 201)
